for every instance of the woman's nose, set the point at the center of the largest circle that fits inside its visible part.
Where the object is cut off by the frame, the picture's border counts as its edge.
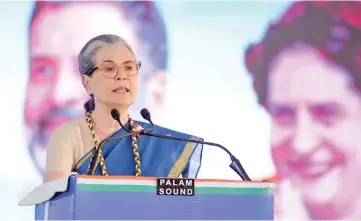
(306, 136)
(121, 78)
(120, 75)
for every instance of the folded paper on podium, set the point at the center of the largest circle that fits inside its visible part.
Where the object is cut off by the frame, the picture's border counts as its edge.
(135, 198)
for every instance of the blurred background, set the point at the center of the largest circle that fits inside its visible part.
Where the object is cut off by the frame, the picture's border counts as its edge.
(275, 82)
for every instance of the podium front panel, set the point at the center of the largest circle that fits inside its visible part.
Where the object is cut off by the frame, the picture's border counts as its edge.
(129, 198)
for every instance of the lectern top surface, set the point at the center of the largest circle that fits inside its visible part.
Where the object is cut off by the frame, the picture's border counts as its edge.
(99, 177)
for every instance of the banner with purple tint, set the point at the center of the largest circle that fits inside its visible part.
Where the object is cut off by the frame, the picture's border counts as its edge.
(127, 198)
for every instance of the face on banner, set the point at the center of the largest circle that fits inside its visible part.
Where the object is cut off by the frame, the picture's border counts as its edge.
(55, 93)
(306, 72)
(315, 125)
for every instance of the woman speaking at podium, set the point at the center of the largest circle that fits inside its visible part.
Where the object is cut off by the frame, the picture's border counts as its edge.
(109, 72)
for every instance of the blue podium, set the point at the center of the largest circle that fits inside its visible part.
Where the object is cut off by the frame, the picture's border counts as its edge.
(135, 198)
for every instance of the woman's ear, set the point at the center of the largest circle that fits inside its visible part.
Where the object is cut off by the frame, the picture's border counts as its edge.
(86, 82)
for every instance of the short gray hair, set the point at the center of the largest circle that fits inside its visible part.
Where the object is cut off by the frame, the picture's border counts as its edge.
(86, 58)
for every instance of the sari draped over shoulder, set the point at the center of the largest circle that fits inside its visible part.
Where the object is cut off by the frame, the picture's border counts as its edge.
(159, 157)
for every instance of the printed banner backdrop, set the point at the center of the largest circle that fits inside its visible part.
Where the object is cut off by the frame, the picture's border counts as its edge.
(275, 82)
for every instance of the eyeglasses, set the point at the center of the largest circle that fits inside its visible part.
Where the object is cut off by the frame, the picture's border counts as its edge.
(110, 69)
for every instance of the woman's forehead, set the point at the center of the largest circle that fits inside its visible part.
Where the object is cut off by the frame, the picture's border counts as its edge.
(111, 62)
(116, 53)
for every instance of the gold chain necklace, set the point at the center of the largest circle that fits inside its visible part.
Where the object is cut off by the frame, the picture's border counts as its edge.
(103, 167)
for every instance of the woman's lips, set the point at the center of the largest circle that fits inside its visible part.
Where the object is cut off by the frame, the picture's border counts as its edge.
(315, 164)
(312, 170)
(121, 90)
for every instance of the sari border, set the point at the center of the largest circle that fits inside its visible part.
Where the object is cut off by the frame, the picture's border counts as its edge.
(194, 154)
(183, 159)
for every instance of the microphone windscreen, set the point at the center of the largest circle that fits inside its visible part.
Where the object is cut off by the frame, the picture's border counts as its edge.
(145, 114)
(115, 114)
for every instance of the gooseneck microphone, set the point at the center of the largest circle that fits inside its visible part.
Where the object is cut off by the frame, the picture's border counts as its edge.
(116, 116)
(146, 115)
(95, 159)
(235, 164)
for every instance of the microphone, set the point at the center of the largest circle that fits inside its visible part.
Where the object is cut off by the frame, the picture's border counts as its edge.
(235, 164)
(116, 116)
(146, 115)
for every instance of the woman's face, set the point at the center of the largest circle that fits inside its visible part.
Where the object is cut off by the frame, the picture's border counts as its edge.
(316, 127)
(115, 82)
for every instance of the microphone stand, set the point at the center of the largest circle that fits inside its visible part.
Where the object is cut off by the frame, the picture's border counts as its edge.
(235, 165)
